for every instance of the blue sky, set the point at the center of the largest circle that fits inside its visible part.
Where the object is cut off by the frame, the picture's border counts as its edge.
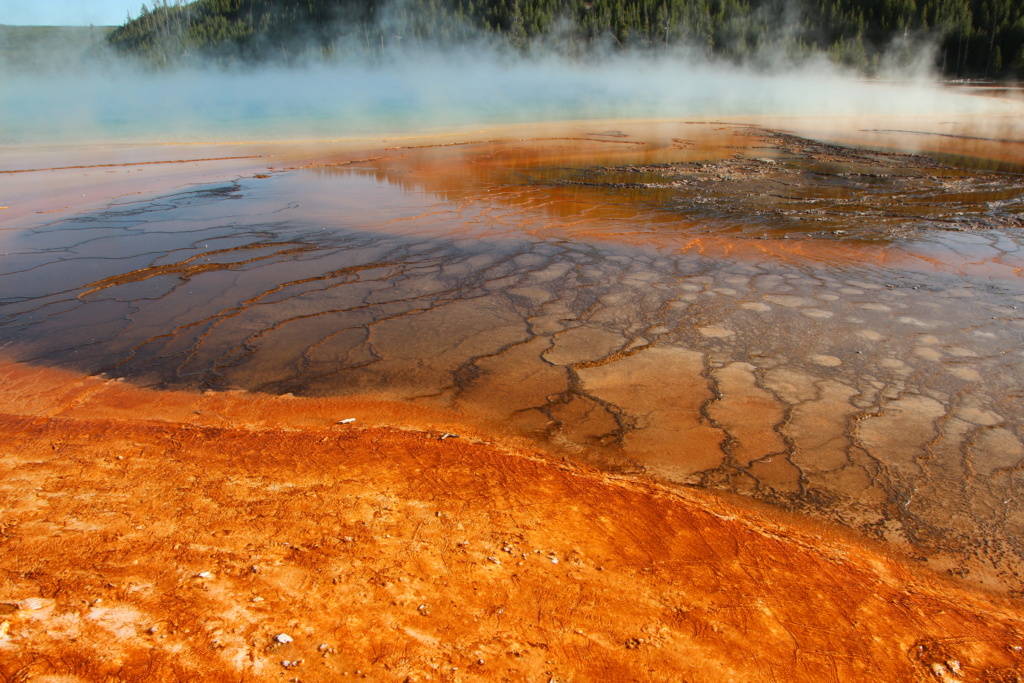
(67, 12)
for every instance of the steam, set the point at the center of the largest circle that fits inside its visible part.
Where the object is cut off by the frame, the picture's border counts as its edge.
(405, 89)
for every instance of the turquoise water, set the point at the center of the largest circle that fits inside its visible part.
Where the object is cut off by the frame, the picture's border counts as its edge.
(426, 95)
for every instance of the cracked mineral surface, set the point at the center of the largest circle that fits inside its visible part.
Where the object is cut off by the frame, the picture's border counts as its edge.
(828, 328)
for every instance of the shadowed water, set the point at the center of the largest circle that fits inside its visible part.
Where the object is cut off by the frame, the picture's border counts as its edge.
(829, 329)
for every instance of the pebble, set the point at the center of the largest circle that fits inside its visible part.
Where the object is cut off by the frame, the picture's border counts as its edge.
(204, 575)
(348, 420)
(283, 638)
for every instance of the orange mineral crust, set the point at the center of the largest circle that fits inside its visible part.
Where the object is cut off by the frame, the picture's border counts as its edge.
(159, 536)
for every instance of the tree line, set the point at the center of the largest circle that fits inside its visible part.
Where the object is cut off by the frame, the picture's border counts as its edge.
(975, 38)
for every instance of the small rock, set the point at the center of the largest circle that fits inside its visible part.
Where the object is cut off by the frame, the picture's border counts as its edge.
(204, 575)
(283, 638)
(346, 421)
(554, 560)
(33, 604)
(494, 560)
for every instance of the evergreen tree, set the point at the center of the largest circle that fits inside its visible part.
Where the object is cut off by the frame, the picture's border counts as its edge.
(976, 38)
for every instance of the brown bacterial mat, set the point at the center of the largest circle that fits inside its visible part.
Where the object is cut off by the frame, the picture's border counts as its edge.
(726, 400)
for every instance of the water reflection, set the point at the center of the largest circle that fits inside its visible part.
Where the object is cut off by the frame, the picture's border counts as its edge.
(834, 331)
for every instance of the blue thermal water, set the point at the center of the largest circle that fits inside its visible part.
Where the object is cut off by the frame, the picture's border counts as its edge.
(347, 101)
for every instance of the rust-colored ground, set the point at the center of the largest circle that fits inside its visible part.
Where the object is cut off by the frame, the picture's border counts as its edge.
(186, 545)
(171, 536)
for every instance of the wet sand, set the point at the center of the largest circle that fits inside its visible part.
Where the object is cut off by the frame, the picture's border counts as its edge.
(827, 330)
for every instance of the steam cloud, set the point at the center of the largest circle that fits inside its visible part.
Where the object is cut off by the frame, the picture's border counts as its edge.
(417, 89)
